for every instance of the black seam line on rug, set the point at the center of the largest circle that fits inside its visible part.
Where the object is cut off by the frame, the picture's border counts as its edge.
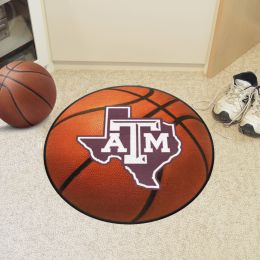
(182, 125)
(30, 71)
(151, 91)
(75, 174)
(161, 107)
(150, 199)
(179, 120)
(18, 109)
(8, 74)
(87, 162)
(25, 86)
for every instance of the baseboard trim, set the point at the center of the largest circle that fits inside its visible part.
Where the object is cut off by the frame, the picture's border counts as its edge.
(77, 65)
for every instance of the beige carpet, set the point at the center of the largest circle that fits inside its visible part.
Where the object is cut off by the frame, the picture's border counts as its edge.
(222, 223)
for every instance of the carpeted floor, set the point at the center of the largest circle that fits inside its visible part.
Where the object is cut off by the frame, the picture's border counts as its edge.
(222, 223)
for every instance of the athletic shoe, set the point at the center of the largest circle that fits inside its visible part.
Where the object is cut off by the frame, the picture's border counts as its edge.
(230, 108)
(250, 124)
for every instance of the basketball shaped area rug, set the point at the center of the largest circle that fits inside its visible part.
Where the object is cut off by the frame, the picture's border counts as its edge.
(129, 154)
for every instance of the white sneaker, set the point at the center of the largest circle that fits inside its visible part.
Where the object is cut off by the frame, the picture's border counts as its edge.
(250, 124)
(230, 108)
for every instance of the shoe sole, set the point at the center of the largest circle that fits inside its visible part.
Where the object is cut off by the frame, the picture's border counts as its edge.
(249, 131)
(222, 117)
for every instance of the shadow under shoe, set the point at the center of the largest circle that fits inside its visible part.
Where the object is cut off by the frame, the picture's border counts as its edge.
(248, 130)
(222, 117)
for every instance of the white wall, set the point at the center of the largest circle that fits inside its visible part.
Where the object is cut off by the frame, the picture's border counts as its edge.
(150, 31)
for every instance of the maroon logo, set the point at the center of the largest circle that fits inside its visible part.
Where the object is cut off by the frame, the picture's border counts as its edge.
(144, 146)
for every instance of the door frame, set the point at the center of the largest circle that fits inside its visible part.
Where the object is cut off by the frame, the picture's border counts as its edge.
(40, 33)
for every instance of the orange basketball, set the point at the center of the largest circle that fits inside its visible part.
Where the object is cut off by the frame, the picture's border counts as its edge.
(129, 154)
(27, 93)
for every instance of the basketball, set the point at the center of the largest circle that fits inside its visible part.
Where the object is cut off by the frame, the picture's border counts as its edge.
(129, 154)
(27, 94)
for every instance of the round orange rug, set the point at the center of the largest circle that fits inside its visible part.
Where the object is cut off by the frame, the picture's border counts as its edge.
(129, 154)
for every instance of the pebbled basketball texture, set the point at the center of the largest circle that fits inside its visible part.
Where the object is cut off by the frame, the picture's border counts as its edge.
(107, 191)
(27, 93)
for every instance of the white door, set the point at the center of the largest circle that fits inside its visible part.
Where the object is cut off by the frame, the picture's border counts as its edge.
(150, 31)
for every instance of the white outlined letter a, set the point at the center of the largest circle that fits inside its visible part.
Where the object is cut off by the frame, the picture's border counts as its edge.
(114, 141)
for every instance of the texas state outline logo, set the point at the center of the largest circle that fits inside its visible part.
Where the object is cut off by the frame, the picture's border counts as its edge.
(143, 146)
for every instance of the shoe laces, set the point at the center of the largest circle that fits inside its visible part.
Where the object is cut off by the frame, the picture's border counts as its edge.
(255, 109)
(234, 93)
(207, 102)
